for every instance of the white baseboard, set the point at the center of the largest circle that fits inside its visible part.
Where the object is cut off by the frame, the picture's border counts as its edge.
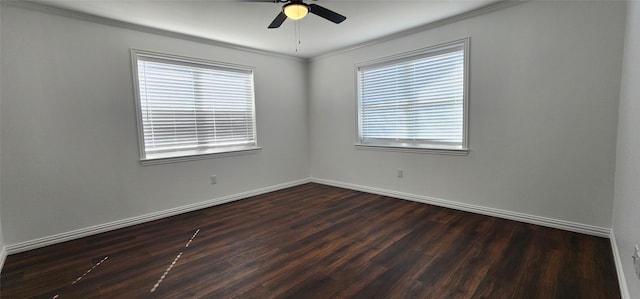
(76, 234)
(549, 222)
(93, 230)
(624, 291)
(3, 256)
(543, 221)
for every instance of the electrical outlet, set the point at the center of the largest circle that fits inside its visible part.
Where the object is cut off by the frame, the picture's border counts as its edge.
(636, 261)
(214, 180)
(400, 172)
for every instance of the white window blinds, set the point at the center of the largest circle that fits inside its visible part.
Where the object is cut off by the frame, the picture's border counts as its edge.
(191, 108)
(415, 101)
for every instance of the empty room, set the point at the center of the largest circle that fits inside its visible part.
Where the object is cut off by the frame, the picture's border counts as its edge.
(319, 149)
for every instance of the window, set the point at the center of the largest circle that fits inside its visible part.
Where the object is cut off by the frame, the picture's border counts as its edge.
(191, 108)
(415, 101)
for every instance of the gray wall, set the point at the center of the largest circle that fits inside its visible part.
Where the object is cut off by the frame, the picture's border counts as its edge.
(543, 114)
(626, 207)
(2, 249)
(69, 135)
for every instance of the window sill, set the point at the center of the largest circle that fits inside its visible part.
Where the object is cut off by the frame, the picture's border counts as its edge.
(386, 148)
(156, 161)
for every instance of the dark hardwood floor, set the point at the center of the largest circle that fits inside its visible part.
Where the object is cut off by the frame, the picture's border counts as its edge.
(316, 241)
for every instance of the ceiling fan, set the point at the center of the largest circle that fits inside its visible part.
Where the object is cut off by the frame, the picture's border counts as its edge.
(297, 9)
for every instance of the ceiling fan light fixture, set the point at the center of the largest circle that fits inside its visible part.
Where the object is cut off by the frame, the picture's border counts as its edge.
(295, 11)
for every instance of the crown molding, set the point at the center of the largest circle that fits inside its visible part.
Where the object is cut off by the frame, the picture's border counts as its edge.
(44, 8)
(25, 4)
(456, 18)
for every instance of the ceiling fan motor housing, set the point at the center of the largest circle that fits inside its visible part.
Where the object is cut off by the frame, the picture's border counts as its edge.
(295, 10)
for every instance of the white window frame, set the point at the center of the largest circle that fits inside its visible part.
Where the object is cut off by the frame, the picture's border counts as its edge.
(189, 155)
(425, 147)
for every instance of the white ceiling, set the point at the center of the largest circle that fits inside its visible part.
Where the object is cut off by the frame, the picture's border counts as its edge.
(245, 23)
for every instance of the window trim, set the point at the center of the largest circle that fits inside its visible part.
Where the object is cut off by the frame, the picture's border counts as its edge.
(195, 155)
(406, 56)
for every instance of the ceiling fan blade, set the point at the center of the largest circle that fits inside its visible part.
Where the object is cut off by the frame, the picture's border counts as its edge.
(272, 1)
(326, 13)
(278, 20)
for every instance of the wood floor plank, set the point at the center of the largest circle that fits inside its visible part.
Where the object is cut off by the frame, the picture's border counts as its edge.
(317, 241)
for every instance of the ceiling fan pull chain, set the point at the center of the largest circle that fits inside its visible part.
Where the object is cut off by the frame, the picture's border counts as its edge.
(299, 32)
(296, 34)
